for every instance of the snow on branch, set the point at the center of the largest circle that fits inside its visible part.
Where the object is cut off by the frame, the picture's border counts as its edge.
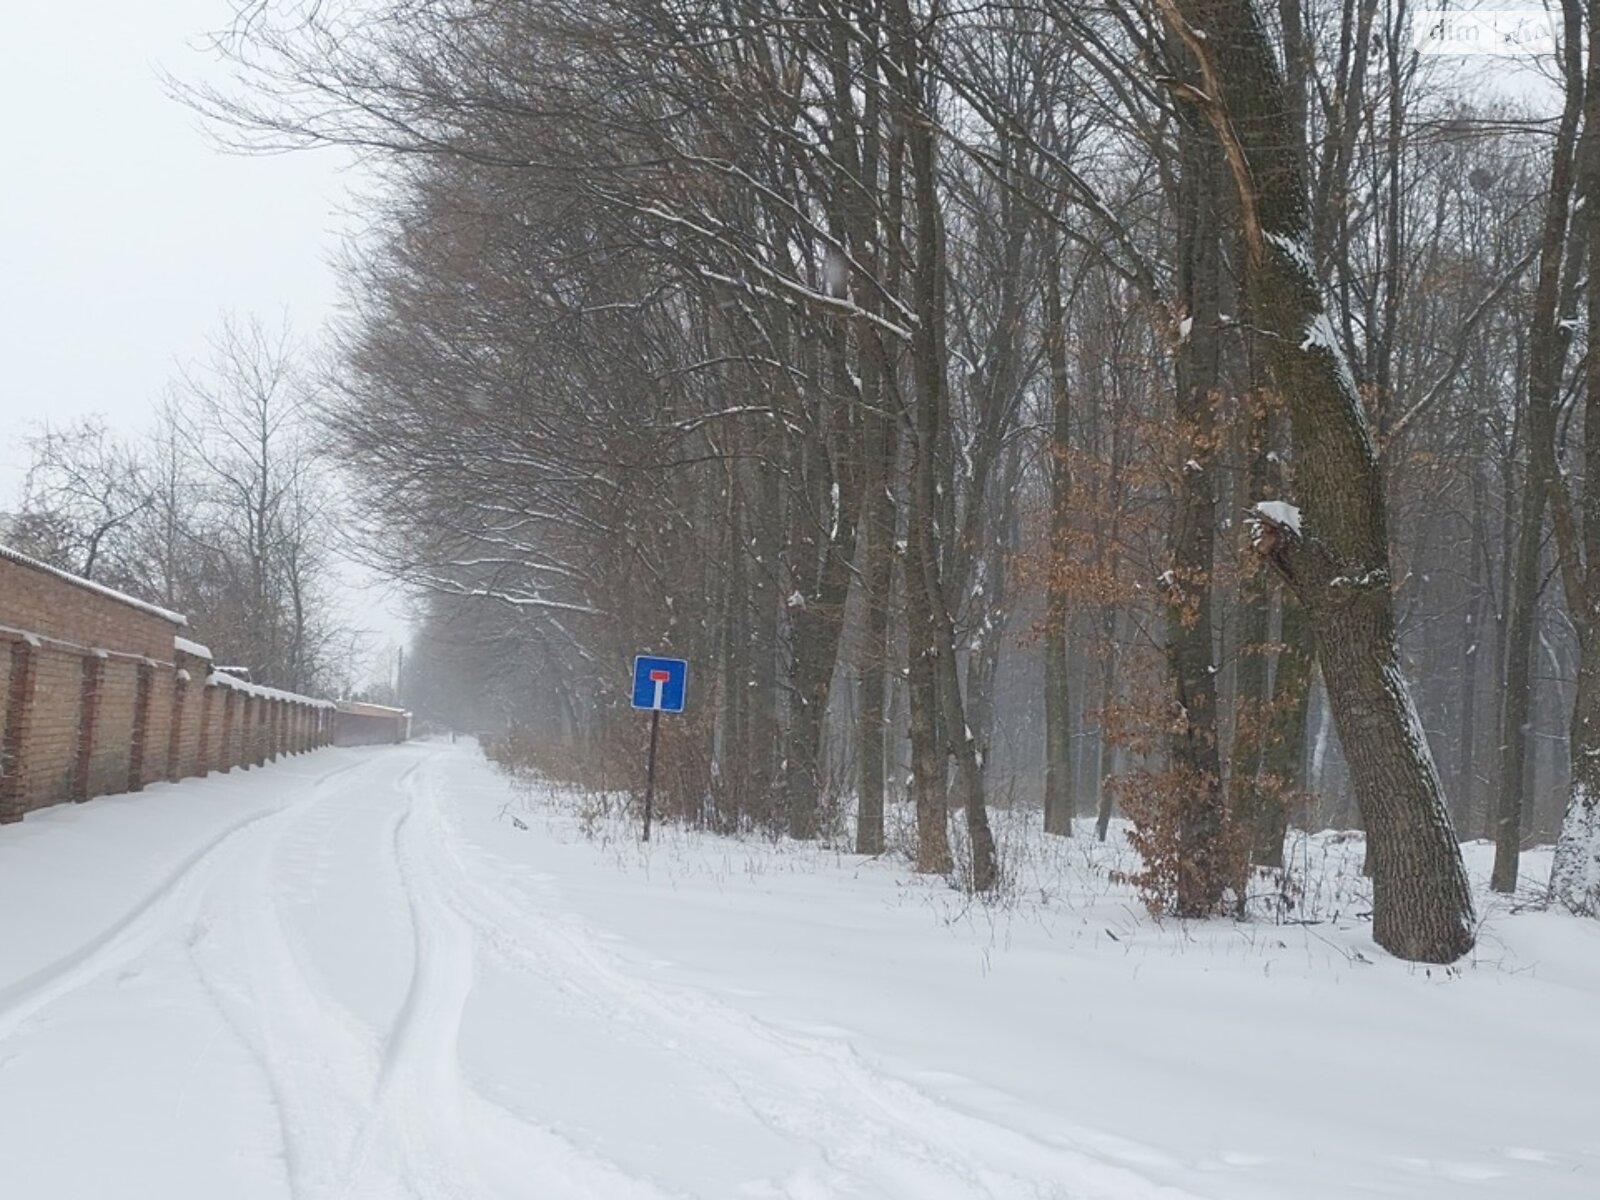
(516, 599)
(1270, 514)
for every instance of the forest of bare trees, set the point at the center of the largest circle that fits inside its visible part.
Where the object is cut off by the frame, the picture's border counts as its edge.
(1177, 408)
(219, 511)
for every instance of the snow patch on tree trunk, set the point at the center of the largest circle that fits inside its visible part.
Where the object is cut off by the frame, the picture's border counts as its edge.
(1279, 513)
(1575, 873)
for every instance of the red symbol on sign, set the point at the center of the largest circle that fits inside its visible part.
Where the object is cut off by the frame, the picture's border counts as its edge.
(660, 676)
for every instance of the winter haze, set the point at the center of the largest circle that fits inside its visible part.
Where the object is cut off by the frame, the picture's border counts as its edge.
(800, 600)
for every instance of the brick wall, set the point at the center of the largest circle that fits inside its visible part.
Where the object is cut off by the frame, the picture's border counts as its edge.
(101, 693)
(358, 724)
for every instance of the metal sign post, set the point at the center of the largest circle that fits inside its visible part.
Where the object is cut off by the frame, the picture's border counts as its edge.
(650, 783)
(659, 684)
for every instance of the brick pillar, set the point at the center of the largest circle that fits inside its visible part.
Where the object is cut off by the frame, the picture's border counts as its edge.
(249, 716)
(141, 726)
(247, 736)
(14, 729)
(202, 750)
(251, 711)
(94, 671)
(180, 695)
(259, 743)
(225, 755)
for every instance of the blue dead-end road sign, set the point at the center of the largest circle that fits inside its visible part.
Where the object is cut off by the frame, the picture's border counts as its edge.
(660, 683)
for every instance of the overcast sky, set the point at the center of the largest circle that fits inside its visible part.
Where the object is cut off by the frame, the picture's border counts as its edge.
(123, 235)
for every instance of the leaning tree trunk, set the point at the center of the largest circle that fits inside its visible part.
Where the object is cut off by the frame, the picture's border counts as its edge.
(1337, 556)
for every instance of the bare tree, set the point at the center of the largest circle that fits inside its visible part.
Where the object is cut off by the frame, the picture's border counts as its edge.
(84, 494)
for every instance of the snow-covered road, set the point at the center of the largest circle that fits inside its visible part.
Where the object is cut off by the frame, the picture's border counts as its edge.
(354, 975)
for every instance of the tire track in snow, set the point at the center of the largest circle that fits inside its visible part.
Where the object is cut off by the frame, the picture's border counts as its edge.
(428, 1131)
(316, 1058)
(170, 904)
(872, 1130)
(416, 1101)
(364, 1114)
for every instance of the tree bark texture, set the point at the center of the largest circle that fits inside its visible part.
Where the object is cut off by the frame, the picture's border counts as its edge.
(877, 535)
(1193, 745)
(1518, 683)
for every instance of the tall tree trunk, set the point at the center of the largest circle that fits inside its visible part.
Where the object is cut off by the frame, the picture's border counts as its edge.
(1547, 345)
(1575, 872)
(927, 758)
(765, 532)
(830, 509)
(1251, 797)
(1107, 540)
(1283, 758)
(1058, 798)
(932, 488)
(1472, 645)
(1194, 752)
(735, 767)
(1105, 800)
(1272, 683)
(877, 532)
(1337, 555)
(1518, 683)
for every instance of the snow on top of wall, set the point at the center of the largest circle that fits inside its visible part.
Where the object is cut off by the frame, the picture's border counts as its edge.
(184, 646)
(223, 679)
(24, 560)
(363, 708)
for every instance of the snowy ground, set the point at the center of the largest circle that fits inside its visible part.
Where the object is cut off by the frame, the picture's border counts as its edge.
(388, 972)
